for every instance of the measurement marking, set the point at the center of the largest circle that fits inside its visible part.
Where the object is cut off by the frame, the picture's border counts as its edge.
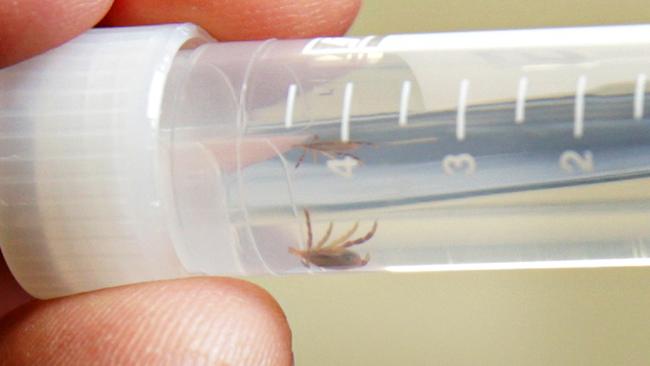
(579, 112)
(639, 96)
(463, 163)
(360, 48)
(345, 113)
(364, 42)
(520, 109)
(404, 103)
(462, 107)
(410, 141)
(343, 167)
(583, 162)
(291, 101)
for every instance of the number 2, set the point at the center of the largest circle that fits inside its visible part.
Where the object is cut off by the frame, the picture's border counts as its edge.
(571, 161)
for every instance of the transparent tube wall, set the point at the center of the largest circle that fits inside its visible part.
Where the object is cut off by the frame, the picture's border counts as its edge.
(423, 152)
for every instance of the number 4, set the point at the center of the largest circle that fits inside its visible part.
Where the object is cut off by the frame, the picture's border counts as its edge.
(343, 167)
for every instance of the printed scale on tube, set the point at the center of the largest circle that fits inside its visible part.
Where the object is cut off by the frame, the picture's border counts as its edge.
(499, 149)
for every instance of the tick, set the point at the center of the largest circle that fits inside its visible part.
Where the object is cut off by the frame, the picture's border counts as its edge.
(329, 149)
(333, 254)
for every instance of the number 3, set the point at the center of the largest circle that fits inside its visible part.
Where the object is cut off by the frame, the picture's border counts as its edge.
(453, 164)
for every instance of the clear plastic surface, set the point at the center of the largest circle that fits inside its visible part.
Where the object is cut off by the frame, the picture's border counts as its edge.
(507, 149)
(82, 204)
(146, 153)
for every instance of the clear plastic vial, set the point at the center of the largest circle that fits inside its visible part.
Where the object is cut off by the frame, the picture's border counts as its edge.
(148, 153)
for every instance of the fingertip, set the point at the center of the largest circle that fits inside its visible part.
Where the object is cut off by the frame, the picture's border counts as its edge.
(200, 320)
(11, 294)
(29, 27)
(244, 19)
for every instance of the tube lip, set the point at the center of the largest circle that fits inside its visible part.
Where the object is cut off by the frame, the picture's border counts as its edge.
(81, 202)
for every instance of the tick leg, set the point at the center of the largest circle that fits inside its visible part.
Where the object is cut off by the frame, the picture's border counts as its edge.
(361, 240)
(310, 236)
(304, 147)
(335, 244)
(301, 158)
(301, 254)
(327, 236)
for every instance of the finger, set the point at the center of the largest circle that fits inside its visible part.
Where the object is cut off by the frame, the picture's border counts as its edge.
(29, 27)
(242, 19)
(11, 294)
(191, 321)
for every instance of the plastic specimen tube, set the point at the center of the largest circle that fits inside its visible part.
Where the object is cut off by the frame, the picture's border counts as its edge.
(136, 154)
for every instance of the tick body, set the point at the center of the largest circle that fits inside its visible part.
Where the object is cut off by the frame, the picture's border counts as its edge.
(336, 253)
(329, 149)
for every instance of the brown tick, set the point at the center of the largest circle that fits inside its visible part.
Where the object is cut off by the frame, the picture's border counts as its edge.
(334, 254)
(329, 149)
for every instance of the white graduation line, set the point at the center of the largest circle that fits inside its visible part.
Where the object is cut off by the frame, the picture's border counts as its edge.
(404, 103)
(520, 108)
(462, 110)
(345, 113)
(639, 96)
(579, 112)
(291, 101)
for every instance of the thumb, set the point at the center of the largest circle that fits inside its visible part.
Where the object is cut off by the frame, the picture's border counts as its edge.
(29, 27)
(190, 321)
(229, 20)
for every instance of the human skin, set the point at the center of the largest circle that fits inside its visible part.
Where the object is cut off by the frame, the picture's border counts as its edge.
(199, 320)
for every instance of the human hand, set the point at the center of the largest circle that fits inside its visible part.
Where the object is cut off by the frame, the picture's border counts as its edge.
(198, 320)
